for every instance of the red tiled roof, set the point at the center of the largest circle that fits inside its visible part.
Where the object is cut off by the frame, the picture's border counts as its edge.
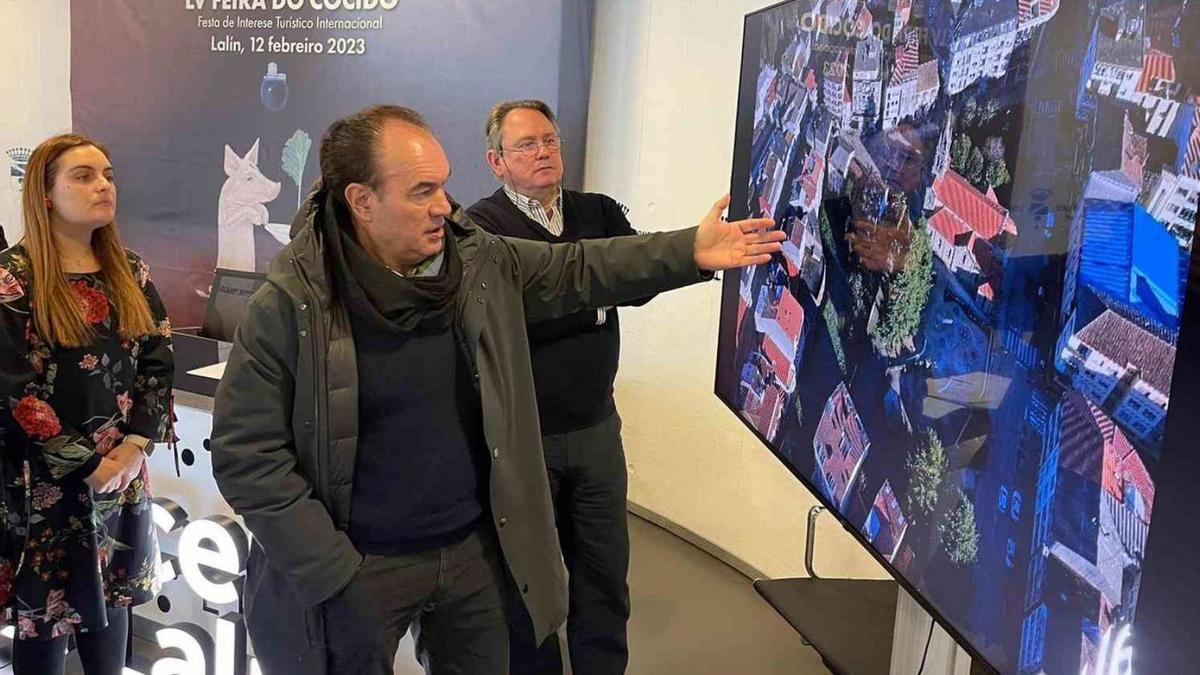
(840, 417)
(1122, 464)
(1193, 151)
(1126, 343)
(812, 176)
(790, 314)
(906, 58)
(764, 413)
(891, 519)
(1156, 66)
(945, 224)
(863, 21)
(983, 215)
(1025, 8)
(949, 227)
(1082, 436)
(779, 363)
(1134, 472)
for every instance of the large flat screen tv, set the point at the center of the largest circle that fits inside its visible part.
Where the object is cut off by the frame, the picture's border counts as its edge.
(967, 348)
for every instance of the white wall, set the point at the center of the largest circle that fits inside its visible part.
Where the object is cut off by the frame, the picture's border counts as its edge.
(660, 140)
(36, 86)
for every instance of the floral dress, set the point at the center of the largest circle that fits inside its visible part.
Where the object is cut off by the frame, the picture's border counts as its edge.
(66, 553)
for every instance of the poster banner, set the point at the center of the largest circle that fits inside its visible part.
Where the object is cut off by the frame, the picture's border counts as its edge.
(214, 109)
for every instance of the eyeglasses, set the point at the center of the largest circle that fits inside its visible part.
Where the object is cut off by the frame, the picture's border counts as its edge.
(530, 147)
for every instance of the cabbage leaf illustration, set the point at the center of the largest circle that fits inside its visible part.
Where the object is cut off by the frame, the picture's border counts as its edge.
(295, 156)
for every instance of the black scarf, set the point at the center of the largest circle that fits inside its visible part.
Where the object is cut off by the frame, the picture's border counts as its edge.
(402, 303)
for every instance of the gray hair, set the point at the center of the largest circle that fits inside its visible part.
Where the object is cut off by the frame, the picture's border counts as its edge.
(500, 111)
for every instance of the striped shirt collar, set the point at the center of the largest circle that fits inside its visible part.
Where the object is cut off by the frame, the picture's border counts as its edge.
(534, 209)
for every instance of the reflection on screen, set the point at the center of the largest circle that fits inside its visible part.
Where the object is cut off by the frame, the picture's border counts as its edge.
(966, 347)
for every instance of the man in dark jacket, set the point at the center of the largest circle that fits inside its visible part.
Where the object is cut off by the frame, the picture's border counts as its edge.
(574, 365)
(376, 426)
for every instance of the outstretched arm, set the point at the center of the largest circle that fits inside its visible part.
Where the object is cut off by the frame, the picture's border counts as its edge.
(562, 278)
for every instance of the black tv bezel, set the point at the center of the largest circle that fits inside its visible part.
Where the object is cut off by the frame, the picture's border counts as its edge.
(1175, 464)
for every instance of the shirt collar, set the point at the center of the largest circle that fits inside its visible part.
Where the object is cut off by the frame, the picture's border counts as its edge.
(528, 202)
(430, 267)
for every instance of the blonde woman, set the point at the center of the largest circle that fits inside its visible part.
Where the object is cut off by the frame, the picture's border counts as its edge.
(85, 391)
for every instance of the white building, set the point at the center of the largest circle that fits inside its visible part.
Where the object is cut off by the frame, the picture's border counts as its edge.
(867, 85)
(834, 91)
(1125, 370)
(982, 43)
(1172, 200)
(913, 87)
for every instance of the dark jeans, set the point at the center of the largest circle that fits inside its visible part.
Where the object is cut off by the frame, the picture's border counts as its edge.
(101, 652)
(451, 598)
(588, 484)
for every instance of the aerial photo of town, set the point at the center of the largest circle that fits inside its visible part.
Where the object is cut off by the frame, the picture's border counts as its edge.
(967, 344)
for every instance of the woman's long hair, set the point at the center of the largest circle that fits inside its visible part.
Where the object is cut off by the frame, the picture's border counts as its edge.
(57, 314)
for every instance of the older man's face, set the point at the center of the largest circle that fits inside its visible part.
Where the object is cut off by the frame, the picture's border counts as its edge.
(900, 155)
(529, 173)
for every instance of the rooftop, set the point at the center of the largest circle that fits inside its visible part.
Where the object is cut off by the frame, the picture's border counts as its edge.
(986, 16)
(886, 523)
(1126, 343)
(1156, 66)
(978, 211)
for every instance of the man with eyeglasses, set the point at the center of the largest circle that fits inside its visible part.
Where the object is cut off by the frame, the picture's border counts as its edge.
(574, 365)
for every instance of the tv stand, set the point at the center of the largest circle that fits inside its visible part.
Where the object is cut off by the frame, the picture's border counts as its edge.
(851, 623)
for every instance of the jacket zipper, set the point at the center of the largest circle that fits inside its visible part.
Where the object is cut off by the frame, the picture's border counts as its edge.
(317, 334)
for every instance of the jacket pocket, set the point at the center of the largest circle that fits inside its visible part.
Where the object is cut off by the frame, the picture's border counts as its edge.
(271, 610)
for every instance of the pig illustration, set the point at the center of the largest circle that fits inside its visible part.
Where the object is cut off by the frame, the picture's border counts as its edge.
(241, 206)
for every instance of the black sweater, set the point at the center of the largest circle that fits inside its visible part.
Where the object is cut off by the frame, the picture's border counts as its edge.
(419, 472)
(574, 360)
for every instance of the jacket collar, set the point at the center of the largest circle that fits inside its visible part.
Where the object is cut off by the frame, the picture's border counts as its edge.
(307, 250)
